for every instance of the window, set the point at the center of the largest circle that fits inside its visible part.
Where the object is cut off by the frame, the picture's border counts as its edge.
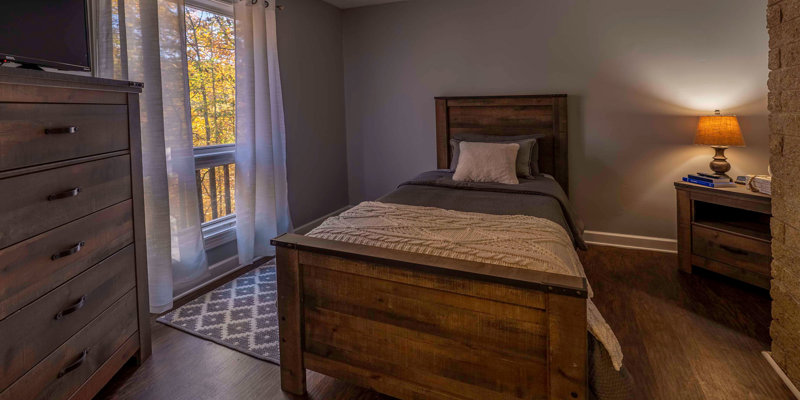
(212, 97)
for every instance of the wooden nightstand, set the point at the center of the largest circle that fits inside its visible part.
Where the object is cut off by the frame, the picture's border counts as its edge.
(726, 231)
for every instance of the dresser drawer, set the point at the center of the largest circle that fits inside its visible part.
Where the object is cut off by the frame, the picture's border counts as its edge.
(71, 364)
(750, 254)
(28, 270)
(45, 200)
(32, 134)
(53, 318)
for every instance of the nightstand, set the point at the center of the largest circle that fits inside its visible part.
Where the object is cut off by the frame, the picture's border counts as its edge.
(725, 230)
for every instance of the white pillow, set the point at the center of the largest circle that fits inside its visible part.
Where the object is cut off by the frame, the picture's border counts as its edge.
(487, 162)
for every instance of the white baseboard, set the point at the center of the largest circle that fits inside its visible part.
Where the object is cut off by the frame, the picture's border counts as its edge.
(631, 241)
(781, 374)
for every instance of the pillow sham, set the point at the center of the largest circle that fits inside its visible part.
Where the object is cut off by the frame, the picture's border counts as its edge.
(487, 162)
(528, 156)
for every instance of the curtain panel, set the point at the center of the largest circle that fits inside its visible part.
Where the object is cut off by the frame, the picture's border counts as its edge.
(262, 205)
(144, 41)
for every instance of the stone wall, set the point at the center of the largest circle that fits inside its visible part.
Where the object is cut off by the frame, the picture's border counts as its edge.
(783, 23)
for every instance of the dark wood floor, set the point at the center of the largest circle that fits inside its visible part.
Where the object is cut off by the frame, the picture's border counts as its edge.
(684, 337)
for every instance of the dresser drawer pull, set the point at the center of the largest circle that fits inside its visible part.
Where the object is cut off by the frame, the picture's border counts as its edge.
(61, 131)
(733, 250)
(63, 195)
(71, 309)
(74, 365)
(72, 250)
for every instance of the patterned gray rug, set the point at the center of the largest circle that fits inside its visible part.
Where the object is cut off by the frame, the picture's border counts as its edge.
(241, 314)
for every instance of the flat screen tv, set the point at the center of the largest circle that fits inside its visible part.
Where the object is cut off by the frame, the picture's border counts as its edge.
(49, 33)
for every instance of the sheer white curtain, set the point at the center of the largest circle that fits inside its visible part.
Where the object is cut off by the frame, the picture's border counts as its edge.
(262, 206)
(144, 41)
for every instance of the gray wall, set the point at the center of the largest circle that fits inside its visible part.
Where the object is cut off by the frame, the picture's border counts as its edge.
(310, 50)
(638, 72)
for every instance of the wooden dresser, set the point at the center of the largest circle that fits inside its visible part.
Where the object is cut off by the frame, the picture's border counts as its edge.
(726, 231)
(73, 273)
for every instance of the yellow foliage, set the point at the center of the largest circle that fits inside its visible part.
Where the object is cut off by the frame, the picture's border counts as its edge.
(212, 86)
(212, 97)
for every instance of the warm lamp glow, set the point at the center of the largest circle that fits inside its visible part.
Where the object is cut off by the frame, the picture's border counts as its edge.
(719, 130)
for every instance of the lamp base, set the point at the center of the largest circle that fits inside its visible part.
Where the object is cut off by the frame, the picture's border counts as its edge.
(720, 164)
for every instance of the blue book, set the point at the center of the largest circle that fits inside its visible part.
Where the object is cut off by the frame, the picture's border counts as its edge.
(698, 182)
(708, 184)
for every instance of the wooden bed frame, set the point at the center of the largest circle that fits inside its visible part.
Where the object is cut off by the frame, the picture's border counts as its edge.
(415, 326)
(508, 116)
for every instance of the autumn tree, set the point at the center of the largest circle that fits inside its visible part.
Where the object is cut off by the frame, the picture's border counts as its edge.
(212, 92)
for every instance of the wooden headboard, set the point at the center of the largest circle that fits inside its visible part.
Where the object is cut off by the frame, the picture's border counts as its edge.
(507, 116)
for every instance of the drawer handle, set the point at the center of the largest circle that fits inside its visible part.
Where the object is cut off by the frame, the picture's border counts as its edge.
(61, 131)
(72, 250)
(65, 194)
(75, 364)
(71, 309)
(733, 250)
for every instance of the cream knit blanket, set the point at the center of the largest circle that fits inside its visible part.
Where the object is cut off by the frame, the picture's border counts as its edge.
(511, 240)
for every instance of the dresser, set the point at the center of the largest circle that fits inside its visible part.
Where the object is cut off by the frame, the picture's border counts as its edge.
(73, 274)
(725, 230)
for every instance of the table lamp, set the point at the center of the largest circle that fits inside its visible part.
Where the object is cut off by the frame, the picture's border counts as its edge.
(719, 132)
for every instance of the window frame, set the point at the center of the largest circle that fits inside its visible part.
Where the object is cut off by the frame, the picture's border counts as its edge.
(215, 6)
(222, 230)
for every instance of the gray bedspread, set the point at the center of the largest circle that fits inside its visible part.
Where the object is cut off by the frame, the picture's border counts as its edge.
(540, 197)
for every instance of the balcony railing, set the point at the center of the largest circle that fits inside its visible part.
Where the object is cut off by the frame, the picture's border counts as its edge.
(215, 173)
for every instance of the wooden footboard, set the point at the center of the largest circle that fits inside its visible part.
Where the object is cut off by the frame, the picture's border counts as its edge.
(414, 326)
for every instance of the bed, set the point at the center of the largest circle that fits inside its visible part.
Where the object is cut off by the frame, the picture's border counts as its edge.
(415, 320)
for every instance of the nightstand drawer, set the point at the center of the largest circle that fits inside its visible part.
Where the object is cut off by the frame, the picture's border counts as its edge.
(739, 251)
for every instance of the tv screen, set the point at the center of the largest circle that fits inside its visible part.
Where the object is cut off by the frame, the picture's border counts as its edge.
(50, 33)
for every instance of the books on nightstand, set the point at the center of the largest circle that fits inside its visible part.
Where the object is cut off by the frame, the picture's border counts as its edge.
(709, 180)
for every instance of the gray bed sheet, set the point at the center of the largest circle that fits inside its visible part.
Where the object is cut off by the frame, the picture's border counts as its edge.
(540, 197)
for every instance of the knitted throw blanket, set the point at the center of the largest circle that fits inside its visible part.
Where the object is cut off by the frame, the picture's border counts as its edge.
(518, 241)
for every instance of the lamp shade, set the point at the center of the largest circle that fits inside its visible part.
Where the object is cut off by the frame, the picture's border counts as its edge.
(719, 130)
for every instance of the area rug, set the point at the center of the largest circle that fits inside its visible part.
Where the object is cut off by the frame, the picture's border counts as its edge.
(241, 314)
